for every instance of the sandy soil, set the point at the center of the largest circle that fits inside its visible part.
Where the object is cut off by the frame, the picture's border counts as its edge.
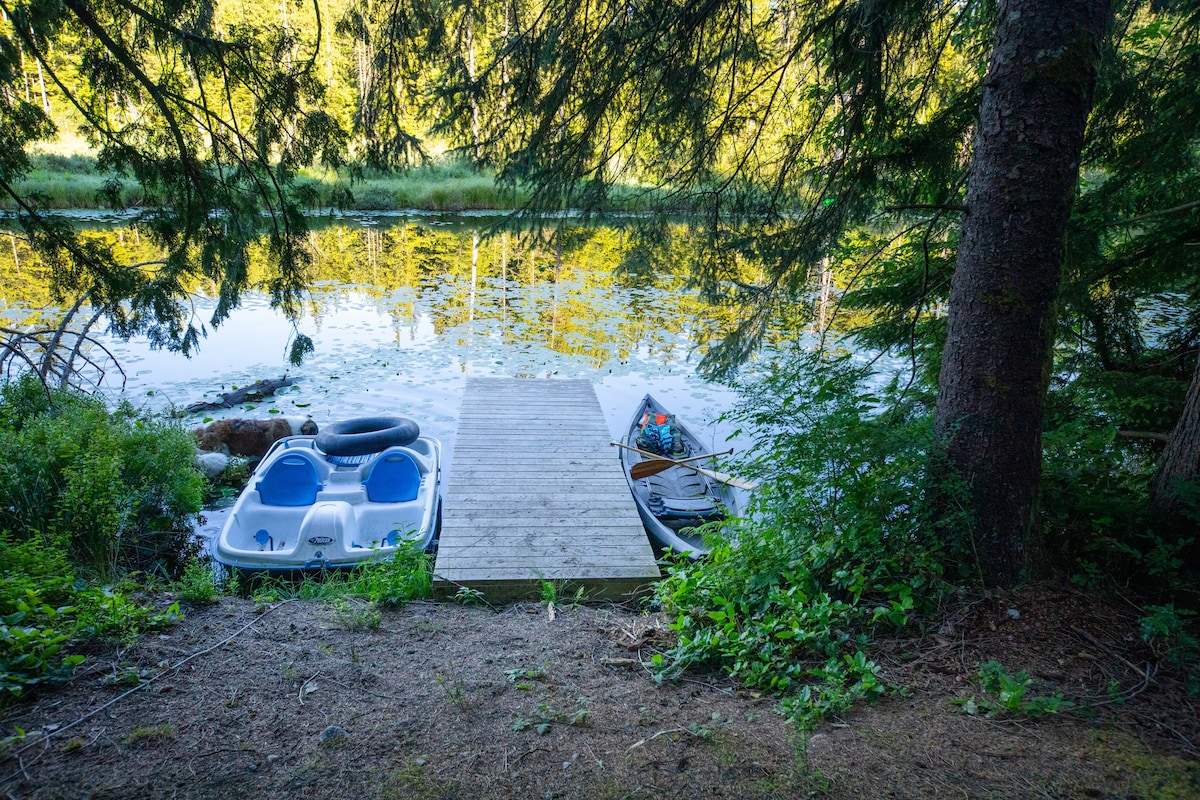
(309, 699)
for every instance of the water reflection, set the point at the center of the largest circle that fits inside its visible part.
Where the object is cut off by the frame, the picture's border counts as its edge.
(401, 310)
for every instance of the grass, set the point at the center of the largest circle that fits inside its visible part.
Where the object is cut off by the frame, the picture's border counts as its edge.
(72, 182)
(394, 582)
(68, 182)
(149, 733)
(428, 189)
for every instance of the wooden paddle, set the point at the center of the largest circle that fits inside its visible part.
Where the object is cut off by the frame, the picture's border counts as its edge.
(653, 466)
(720, 477)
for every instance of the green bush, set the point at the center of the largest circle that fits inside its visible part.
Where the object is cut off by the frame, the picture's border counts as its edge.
(37, 586)
(47, 612)
(1168, 630)
(839, 540)
(1096, 521)
(118, 489)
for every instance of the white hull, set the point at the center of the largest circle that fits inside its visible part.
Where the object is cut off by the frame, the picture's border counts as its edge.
(273, 526)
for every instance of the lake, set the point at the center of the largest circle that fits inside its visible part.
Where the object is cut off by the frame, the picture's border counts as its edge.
(404, 308)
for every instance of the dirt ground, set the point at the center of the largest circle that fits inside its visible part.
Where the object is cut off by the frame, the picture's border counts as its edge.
(437, 700)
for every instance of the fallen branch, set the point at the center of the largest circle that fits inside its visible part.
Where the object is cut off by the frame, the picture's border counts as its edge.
(255, 391)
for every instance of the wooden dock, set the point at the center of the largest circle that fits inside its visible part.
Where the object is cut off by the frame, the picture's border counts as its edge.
(536, 493)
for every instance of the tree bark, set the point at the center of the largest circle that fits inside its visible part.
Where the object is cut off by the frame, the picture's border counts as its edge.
(1180, 461)
(1001, 324)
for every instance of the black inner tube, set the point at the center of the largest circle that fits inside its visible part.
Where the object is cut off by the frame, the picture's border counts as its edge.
(365, 435)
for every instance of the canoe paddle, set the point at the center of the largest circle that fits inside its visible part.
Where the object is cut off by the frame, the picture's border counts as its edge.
(720, 477)
(653, 466)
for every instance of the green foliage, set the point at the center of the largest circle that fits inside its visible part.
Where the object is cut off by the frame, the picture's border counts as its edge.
(1170, 631)
(1096, 524)
(356, 615)
(223, 490)
(198, 584)
(546, 716)
(208, 117)
(115, 615)
(36, 585)
(406, 576)
(839, 684)
(46, 610)
(119, 489)
(838, 544)
(469, 597)
(1010, 695)
(32, 637)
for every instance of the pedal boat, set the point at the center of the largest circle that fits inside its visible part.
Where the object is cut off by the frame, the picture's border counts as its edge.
(348, 495)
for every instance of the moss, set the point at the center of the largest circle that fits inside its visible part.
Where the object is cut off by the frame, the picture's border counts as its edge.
(1149, 774)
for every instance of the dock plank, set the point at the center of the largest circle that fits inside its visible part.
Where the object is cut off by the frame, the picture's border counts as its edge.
(536, 493)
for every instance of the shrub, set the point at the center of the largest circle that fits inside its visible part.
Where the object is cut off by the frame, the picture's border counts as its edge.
(118, 490)
(1096, 521)
(839, 540)
(36, 588)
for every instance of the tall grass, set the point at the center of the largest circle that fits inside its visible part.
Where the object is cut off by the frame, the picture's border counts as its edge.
(73, 182)
(394, 582)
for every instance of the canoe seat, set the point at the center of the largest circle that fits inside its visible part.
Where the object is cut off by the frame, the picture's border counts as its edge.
(685, 508)
(291, 480)
(394, 478)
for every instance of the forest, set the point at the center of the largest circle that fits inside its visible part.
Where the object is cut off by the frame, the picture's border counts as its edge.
(1004, 193)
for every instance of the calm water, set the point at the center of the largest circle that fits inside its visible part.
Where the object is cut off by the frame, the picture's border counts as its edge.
(403, 311)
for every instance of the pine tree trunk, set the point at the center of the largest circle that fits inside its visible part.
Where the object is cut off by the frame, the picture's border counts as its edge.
(997, 357)
(1180, 460)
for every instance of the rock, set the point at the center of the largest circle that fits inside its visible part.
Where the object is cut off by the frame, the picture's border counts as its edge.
(333, 735)
(211, 464)
(250, 437)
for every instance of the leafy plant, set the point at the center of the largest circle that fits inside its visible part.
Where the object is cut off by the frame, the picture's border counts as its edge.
(45, 610)
(1165, 629)
(520, 678)
(117, 489)
(469, 597)
(198, 584)
(546, 716)
(356, 615)
(31, 638)
(1010, 695)
(404, 577)
(110, 613)
(841, 541)
(455, 692)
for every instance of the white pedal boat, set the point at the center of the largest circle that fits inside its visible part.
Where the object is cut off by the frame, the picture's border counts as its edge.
(345, 496)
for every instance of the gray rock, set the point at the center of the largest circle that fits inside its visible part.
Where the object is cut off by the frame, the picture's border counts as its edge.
(211, 464)
(334, 735)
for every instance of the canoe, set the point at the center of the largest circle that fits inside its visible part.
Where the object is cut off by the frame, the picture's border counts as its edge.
(345, 496)
(672, 503)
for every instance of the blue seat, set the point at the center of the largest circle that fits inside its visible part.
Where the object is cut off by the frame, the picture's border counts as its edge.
(394, 478)
(291, 480)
